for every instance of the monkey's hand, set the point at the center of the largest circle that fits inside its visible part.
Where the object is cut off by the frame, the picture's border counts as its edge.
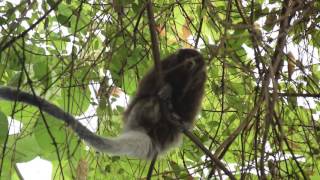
(165, 96)
(176, 120)
(165, 93)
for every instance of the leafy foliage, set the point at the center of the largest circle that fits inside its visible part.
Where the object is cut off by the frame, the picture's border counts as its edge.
(263, 63)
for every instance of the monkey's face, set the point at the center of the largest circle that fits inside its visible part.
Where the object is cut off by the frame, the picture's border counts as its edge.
(190, 60)
(189, 64)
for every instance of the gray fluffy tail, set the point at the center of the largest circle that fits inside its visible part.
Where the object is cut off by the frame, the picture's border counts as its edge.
(132, 143)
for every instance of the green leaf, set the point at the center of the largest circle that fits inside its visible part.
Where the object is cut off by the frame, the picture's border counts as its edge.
(213, 124)
(17, 79)
(176, 168)
(51, 2)
(292, 99)
(14, 62)
(237, 88)
(4, 127)
(41, 69)
(65, 9)
(2, 21)
(6, 171)
(42, 135)
(232, 118)
(79, 100)
(63, 20)
(27, 148)
(315, 177)
(63, 136)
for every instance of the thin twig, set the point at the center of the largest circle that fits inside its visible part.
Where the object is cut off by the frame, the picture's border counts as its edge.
(217, 162)
(14, 39)
(153, 162)
(18, 172)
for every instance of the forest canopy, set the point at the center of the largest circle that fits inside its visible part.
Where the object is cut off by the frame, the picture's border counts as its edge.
(260, 114)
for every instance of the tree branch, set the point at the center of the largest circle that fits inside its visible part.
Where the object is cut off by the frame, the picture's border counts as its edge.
(156, 58)
(216, 161)
(154, 42)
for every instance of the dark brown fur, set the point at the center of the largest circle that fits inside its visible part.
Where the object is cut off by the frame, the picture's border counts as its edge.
(185, 73)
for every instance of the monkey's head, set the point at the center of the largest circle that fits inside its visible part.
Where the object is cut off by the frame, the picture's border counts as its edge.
(184, 70)
(185, 64)
(190, 59)
(181, 70)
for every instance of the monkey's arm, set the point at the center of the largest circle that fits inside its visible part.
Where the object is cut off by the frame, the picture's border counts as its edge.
(128, 143)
